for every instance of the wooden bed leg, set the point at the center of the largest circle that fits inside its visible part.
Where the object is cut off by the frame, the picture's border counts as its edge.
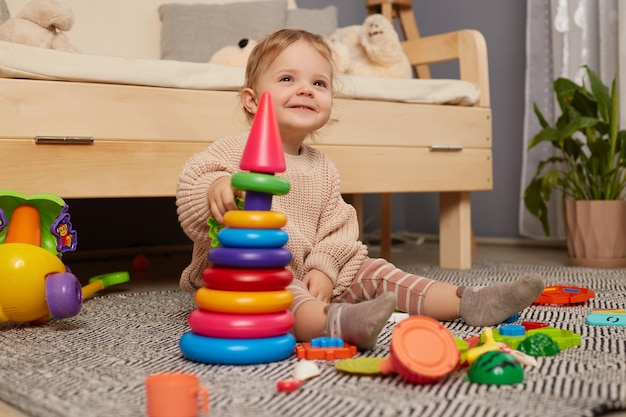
(385, 226)
(356, 200)
(455, 230)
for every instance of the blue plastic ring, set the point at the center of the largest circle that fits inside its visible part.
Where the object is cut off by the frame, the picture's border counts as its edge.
(220, 351)
(252, 238)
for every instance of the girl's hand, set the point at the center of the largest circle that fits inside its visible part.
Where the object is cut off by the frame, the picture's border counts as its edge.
(222, 198)
(319, 284)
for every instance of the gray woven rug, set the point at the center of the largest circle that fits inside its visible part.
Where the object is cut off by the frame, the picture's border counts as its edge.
(95, 364)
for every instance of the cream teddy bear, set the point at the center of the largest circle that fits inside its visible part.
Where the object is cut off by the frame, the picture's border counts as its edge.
(372, 49)
(40, 23)
(234, 55)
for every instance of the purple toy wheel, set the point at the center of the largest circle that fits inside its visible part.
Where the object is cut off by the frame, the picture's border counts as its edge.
(64, 295)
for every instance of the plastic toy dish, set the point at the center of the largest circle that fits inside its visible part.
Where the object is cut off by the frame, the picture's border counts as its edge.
(250, 257)
(243, 301)
(607, 317)
(234, 279)
(240, 326)
(561, 294)
(422, 351)
(220, 351)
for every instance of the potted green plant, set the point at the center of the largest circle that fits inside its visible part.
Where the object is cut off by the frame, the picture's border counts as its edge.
(589, 169)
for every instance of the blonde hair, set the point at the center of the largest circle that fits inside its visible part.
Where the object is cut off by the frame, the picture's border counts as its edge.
(273, 45)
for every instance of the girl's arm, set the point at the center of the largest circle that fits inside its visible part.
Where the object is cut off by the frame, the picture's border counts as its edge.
(198, 174)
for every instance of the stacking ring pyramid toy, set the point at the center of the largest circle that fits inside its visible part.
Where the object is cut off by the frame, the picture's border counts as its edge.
(242, 316)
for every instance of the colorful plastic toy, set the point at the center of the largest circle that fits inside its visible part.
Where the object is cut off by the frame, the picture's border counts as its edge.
(422, 351)
(325, 349)
(250, 257)
(240, 326)
(539, 344)
(361, 365)
(488, 344)
(302, 371)
(252, 238)
(243, 301)
(100, 282)
(233, 279)
(561, 294)
(607, 317)
(563, 338)
(245, 219)
(34, 282)
(495, 368)
(224, 351)
(242, 315)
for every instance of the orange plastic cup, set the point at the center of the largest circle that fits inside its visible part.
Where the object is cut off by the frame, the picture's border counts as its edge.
(175, 394)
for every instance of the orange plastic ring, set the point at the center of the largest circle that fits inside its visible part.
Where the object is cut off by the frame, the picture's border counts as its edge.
(243, 301)
(249, 219)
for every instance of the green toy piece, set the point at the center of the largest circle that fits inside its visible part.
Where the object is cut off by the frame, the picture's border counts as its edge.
(215, 226)
(495, 368)
(361, 366)
(539, 344)
(563, 338)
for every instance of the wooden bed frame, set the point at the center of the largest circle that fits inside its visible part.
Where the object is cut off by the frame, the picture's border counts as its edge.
(143, 135)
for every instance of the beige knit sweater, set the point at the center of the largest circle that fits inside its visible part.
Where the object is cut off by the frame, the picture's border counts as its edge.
(323, 229)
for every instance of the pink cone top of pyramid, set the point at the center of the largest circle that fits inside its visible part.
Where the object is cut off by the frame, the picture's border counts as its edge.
(264, 148)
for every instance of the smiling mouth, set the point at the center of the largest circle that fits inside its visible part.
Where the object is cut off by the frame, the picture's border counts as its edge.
(302, 108)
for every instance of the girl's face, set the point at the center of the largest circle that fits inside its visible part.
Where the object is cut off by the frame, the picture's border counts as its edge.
(299, 81)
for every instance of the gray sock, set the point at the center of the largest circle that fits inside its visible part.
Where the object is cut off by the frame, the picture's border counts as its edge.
(489, 306)
(360, 324)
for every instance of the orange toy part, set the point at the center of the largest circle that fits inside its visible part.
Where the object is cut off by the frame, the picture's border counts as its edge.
(564, 294)
(306, 351)
(422, 351)
(24, 226)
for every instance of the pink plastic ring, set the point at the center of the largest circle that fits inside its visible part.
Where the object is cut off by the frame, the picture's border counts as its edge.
(240, 326)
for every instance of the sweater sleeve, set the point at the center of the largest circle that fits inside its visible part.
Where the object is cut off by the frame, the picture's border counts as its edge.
(218, 160)
(337, 251)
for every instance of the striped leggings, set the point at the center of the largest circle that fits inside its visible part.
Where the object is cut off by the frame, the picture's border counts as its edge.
(375, 277)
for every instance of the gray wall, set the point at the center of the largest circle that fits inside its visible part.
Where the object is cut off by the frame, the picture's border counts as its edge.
(494, 213)
(139, 222)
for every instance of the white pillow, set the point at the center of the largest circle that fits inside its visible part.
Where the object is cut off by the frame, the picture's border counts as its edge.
(125, 28)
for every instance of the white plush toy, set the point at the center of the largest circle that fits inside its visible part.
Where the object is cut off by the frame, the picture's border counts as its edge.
(372, 49)
(40, 23)
(234, 55)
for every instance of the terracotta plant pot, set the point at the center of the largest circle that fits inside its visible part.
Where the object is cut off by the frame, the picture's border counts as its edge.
(596, 233)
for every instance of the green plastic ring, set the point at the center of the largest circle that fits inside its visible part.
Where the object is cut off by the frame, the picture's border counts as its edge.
(264, 183)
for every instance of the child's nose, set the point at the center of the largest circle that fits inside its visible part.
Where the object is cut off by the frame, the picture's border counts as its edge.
(305, 89)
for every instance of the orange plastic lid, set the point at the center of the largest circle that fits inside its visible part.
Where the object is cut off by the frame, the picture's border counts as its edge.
(424, 347)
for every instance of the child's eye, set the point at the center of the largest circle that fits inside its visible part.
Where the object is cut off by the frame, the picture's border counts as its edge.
(286, 78)
(320, 84)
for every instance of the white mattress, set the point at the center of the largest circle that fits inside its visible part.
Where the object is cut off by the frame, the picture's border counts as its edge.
(20, 61)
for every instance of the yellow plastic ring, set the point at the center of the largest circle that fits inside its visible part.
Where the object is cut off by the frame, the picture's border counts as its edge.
(250, 219)
(243, 301)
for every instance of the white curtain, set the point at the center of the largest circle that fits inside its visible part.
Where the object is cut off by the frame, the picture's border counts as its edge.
(561, 37)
